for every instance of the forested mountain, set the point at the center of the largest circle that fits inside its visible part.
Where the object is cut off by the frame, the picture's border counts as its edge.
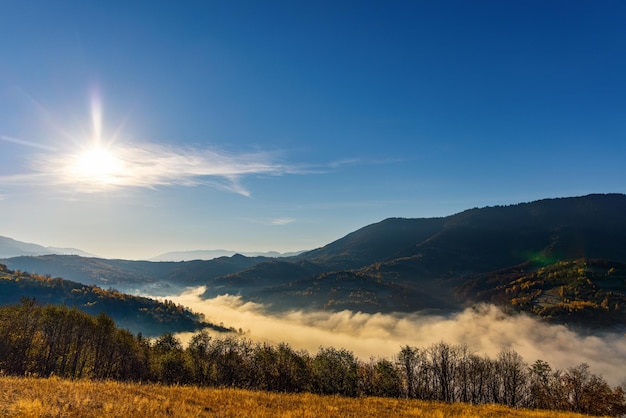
(413, 264)
(399, 264)
(137, 314)
(489, 238)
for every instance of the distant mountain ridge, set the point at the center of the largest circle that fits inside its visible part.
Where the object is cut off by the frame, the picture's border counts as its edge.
(10, 247)
(211, 254)
(146, 277)
(403, 264)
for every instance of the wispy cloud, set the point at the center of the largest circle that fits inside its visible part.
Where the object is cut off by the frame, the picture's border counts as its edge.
(149, 166)
(271, 221)
(101, 167)
(25, 142)
(282, 221)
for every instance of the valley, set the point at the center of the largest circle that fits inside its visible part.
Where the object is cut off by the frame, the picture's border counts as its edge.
(482, 286)
(406, 265)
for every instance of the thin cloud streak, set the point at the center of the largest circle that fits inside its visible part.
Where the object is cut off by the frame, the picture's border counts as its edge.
(149, 165)
(25, 143)
(152, 166)
(282, 221)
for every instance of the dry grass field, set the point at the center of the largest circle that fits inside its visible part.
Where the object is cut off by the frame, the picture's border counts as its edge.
(31, 397)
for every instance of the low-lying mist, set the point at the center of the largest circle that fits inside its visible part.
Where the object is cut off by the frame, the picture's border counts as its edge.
(484, 329)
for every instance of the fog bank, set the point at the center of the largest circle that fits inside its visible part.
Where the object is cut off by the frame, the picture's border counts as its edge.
(485, 329)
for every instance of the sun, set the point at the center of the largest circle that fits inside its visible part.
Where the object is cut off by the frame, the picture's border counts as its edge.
(97, 165)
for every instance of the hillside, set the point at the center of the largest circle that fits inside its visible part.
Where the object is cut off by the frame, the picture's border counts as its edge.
(590, 292)
(137, 314)
(382, 241)
(393, 265)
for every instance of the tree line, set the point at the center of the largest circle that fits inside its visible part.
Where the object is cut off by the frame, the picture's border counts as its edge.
(56, 340)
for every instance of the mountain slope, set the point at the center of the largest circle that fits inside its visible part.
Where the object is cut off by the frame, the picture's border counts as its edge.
(377, 242)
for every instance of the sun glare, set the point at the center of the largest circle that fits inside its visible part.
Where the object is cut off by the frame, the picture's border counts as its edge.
(97, 165)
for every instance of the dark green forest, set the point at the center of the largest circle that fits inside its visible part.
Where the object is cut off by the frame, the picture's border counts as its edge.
(49, 340)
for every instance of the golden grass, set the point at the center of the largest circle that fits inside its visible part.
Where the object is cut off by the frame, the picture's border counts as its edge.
(30, 397)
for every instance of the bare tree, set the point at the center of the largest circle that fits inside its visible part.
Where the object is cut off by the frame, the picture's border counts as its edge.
(443, 365)
(513, 377)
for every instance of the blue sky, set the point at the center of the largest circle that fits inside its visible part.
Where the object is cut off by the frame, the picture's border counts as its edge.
(132, 128)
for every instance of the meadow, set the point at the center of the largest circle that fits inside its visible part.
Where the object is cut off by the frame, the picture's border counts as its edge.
(54, 397)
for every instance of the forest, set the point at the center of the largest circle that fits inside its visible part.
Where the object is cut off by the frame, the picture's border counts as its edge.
(56, 340)
(587, 293)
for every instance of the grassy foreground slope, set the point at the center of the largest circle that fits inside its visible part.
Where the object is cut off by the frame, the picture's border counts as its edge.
(32, 397)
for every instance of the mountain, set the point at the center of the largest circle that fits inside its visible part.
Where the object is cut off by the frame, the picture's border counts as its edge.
(154, 278)
(13, 248)
(211, 254)
(480, 239)
(138, 314)
(422, 263)
(401, 264)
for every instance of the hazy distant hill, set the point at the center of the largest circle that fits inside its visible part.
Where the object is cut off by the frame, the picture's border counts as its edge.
(211, 254)
(138, 314)
(13, 248)
(156, 278)
(393, 265)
